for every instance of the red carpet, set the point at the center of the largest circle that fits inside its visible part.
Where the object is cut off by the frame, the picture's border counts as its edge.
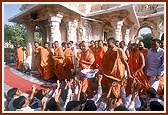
(13, 80)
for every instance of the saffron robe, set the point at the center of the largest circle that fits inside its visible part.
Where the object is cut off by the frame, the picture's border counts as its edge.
(37, 60)
(19, 58)
(59, 63)
(99, 56)
(86, 56)
(69, 62)
(135, 63)
(113, 68)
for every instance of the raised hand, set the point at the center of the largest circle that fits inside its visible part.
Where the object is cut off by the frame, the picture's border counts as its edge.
(34, 88)
(100, 77)
(57, 96)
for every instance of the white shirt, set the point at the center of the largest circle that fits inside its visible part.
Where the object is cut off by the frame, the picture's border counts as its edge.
(130, 105)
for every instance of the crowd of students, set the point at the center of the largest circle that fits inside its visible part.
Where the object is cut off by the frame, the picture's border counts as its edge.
(129, 77)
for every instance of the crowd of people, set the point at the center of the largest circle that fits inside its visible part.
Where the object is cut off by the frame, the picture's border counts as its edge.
(128, 77)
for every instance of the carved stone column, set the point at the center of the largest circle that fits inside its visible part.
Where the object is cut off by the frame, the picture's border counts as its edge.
(161, 27)
(71, 25)
(97, 32)
(118, 33)
(117, 21)
(55, 21)
(86, 30)
(126, 37)
(117, 25)
(30, 41)
(47, 28)
(125, 34)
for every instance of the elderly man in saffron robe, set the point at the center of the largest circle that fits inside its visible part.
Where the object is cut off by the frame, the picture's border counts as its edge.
(86, 61)
(113, 67)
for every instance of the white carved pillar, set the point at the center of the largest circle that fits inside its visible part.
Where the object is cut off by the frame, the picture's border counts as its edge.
(55, 27)
(123, 32)
(72, 25)
(161, 27)
(117, 25)
(87, 30)
(79, 32)
(118, 34)
(126, 37)
(30, 45)
(47, 28)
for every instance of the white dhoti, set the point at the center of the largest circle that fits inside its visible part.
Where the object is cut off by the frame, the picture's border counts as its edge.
(28, 62)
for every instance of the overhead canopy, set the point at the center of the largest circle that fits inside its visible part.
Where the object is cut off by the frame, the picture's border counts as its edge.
(32, 8)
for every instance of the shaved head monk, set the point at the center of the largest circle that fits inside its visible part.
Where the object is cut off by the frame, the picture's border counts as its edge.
(86, 60)
(113, 66)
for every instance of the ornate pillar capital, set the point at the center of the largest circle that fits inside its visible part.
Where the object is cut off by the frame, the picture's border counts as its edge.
(54, 21)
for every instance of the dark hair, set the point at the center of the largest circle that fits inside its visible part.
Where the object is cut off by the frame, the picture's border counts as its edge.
(19, 102)
(152, 92)
(142, 102)
(121, 108)
(71, 42)
(90, 106)
(68, 43)
(12, 92)
(111, 39)
(37, 43)
(116, 41)
(51, 105)
(100, 41)
(140, 109)
(64, 94)
(122, 42)
(73, 106)
(156, 40)
(83, 97)
(55, 42)
(156, 106)
(46, 43)
(39, 94)
(92, 41)
(63, 44)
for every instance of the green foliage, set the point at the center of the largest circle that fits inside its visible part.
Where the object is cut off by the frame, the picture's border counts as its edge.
(38, 37)
(147, 38)
(17, 34)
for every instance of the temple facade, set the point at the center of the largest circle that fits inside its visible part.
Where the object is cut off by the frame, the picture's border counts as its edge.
(76, 22)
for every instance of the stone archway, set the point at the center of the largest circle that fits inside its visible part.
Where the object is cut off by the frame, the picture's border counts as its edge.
(148, 28)
(153, 27)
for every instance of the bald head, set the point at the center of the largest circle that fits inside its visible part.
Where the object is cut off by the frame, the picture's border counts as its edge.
(85, 46)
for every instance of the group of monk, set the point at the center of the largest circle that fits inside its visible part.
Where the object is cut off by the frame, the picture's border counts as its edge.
(54, 62)
(112, 60)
